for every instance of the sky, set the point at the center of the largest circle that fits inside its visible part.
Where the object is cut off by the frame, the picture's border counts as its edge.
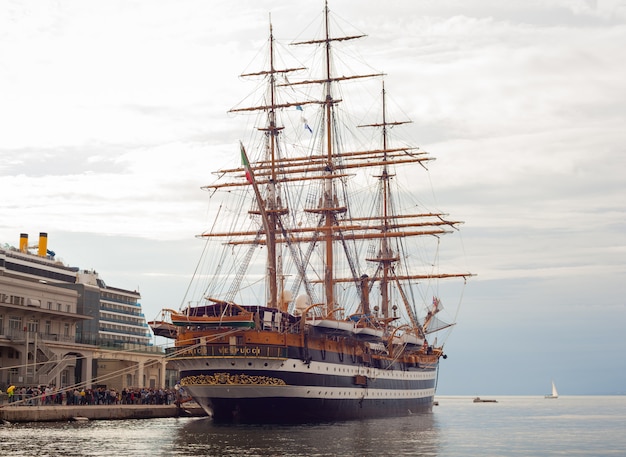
(113, 114)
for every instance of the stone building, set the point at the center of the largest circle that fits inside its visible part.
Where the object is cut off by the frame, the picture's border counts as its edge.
(62, 326)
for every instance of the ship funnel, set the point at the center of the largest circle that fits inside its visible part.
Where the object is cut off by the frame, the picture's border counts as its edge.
(43, 244)
(23, 242)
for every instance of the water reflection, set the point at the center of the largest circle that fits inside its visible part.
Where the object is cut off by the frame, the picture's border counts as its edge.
(514, 426)
(415, 435)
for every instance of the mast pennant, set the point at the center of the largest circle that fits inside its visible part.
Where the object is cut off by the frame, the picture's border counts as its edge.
(245, 163)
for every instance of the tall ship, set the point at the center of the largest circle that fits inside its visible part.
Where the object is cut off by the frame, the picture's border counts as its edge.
(314, 310)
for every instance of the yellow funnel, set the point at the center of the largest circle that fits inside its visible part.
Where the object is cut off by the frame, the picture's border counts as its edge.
(23, 242)
(43, 244)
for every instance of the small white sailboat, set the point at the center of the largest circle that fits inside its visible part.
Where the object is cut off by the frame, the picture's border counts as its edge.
(554, 393)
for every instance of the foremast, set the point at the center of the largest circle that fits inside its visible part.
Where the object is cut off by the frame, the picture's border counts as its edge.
(271, 208)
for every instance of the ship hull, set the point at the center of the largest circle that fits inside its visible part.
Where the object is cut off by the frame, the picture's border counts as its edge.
(261, 390)
(303, 410)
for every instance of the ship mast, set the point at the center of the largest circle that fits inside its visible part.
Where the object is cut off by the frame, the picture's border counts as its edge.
(273, 201)
(386, 257)
(270, 208)
(329, 205)
(329, 196)
(389, 224)
(329, 165)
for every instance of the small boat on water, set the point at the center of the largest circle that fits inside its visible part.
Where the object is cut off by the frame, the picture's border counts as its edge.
(484, 400)
(554, 393)
(320, 315)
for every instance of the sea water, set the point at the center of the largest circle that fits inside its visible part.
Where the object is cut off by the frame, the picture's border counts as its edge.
(514, 426)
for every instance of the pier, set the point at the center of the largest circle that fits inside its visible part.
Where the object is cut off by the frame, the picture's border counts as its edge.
(57, 413)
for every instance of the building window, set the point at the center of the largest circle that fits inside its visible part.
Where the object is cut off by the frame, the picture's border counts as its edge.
(48, 329)
(33, 326)
(66, 329)
(15, 322)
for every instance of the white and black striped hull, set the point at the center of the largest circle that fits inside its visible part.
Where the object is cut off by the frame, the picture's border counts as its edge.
(291, 390)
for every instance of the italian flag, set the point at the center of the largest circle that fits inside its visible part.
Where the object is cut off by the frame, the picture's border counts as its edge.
(245, 163)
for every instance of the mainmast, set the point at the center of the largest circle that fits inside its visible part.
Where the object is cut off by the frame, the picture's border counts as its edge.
(329, 206)
(329, 191)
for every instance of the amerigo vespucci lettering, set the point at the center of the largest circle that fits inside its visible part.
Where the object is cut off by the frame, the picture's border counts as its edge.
(227, 378)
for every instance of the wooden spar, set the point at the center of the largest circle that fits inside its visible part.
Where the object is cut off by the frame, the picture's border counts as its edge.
(312, 169)
(344, 236)
(370, 154)
(409, 277)
(268, 107)
(273, 71)
(328, 39)
(347, 236)
(332, 80)
(354, 228)
(265, 181)
(401, 216)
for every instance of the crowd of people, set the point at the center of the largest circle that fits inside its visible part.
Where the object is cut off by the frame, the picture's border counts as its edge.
(46, 395)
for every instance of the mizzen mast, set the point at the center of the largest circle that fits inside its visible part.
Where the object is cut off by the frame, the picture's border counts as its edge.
(386, 256)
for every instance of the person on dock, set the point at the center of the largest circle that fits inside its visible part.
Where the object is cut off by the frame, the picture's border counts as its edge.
(11, 393)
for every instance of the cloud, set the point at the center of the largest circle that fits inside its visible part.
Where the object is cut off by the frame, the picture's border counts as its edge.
(114, 113)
